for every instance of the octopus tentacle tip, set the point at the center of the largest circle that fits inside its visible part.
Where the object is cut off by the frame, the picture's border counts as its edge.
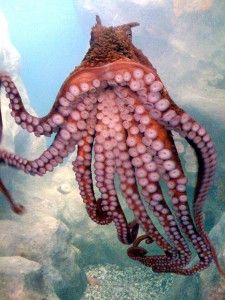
(19, 209)
(136, 252)
(140, 239)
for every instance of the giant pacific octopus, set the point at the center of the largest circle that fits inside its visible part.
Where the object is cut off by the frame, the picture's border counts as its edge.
(115, 107)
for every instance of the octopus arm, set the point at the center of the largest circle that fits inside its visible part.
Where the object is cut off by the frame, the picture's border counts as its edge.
(199, 198)
(175, 118)
(110, 202)
(46, 162)
(40, 126)
(16, 207)
(177, 182)
(49, 159)
(82, 168)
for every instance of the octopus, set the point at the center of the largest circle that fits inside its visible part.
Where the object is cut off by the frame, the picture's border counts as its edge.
(115, 109)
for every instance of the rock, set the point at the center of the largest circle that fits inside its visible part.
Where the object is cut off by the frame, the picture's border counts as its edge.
(47, 241)
(64, 188)
(188, 288)
(22, 279)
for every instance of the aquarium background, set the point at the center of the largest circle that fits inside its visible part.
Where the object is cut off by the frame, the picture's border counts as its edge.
(54, 251)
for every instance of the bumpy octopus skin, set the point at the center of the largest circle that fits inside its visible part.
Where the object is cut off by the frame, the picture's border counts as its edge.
(115, 106)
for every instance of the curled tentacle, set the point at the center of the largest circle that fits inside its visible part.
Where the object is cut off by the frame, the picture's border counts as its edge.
(138, 253)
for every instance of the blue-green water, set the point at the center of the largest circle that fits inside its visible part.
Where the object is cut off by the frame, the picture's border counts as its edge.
(54, 251)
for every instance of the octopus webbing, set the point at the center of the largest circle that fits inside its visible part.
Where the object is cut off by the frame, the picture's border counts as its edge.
(115, 107)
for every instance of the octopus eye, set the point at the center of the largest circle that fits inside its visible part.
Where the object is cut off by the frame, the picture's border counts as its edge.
(92, 39)
(129, 33)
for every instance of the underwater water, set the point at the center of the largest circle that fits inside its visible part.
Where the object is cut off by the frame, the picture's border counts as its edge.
(54, 251)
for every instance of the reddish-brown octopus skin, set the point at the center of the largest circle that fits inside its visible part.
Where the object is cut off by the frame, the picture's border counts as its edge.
(115, 107)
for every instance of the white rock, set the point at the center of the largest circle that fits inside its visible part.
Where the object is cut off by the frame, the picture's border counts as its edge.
(22, 279)
(47, 241)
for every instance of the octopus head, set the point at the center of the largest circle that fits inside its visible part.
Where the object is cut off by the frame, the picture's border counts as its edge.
(110, 43)
(120, 33)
